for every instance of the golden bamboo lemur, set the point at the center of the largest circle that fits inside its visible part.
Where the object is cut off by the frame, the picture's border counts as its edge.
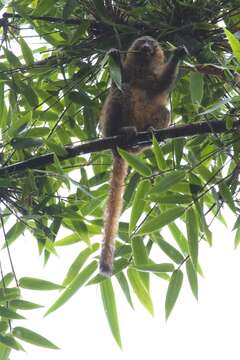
(138, 106)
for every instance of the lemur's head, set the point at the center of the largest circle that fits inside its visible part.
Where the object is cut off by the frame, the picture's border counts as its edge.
(144, 50)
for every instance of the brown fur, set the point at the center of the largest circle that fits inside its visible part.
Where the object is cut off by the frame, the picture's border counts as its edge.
(141, 103)
(112, 213)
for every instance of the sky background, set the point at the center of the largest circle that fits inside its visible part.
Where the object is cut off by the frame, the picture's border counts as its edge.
(205, 329)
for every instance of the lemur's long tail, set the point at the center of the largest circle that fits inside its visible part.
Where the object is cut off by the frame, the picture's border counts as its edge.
(112, 214)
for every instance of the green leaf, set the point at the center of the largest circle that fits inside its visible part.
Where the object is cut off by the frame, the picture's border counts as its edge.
(73, 287)
(192, 233)
(196, 88)
(26, 51)
(165, 182)
(109, 304)
(7, 279)
(134, 161)
(125, 287)
(38, 284)
(10, 342)
(12, 59)
(161, 163)
(23, 143)
(68, 240)
(7, 294)
(220, 104)
(173, 290)
(32, 338)
(10, 314)
(115, 72)
(234, 43)
(14, 232)
(80, 98)
(29, 93)
(4, 351)
(140, 256)
(170, 250)
(227, 196)
(160, 221)
(69, 7)
(78, 263)
(164, 267)
(192, 277)
(23, 305)
(138, 203)
(3, 327)
(140, 289)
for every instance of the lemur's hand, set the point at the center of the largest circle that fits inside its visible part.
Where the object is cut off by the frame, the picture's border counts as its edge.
(181, 52)
(114, 54)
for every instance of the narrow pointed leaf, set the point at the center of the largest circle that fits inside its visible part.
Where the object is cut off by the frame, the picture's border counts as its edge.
(10, 342)
(192, 277)
(38, 284)
(192, 233)
(135, 162)
(138, 203)
(173, 290)
(164, 267)
(170, 251)
(10, 314)
(161, 162)
(140, 257)
(165, 182)
(124, 286)
(73, 287)
(23, 305)
(234, 43)
(109, 304)
(32, 337)
(78, 263)
(160, 221)
(140, 289)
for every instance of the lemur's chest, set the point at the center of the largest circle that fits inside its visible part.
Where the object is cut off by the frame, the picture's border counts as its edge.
(143, 106)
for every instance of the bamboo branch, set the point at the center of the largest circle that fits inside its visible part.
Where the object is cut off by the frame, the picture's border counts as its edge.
(141, 139)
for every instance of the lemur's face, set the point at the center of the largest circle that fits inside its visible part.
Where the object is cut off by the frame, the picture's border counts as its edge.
(145, 48)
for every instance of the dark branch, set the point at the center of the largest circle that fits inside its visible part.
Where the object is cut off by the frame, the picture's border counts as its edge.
(142, 139)
(56, 20)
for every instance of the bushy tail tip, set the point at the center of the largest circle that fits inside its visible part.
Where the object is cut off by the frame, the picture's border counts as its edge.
(105, 269)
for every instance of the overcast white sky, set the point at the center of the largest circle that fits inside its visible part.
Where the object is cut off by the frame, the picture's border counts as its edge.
(205, 329)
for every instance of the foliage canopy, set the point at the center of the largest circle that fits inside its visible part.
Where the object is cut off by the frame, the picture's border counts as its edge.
(51, 95)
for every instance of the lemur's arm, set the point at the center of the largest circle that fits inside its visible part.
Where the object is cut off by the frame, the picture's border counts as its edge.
(169, 73)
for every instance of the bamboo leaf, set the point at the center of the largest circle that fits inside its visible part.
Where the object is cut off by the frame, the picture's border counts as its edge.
(10, 342)
(161, 163)
(140, 289)
(78, 263)
(192, 233)
(135, 162)
(192, 277)
(234, 43)
(164, 267)
(109, 304)
(138, 203)
(125, 287)
(173, 291)
(10, 314)
(38, 284)
(160, 221)
(32, 337)
(73, 287)
(165, 182)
